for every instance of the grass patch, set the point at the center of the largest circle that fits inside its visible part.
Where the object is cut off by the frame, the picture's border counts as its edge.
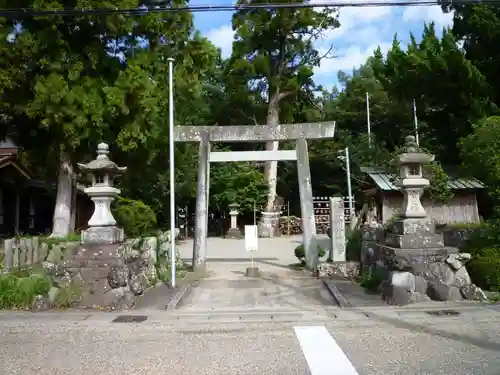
(19, 292)
(51, 241)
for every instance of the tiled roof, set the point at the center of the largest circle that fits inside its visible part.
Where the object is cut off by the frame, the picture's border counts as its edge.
(385, 181)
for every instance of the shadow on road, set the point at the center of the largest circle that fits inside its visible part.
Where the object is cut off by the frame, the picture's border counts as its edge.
(419, 328)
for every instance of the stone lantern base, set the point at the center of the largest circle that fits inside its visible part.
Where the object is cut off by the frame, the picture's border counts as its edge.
(102, 235)
(413, 234)
(269, 225)
(234, 233)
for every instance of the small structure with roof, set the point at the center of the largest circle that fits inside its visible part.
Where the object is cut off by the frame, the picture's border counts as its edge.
(385, 199)
(102, 193)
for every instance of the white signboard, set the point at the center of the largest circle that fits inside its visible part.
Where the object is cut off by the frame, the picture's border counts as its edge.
(251, 238)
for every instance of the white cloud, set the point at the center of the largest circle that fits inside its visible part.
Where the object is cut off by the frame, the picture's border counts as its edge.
(222, 37)
(351, 18)
(351, 57)
(428, 14)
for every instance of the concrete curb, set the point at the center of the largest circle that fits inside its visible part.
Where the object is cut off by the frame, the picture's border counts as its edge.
(335, 293)
(178, 297)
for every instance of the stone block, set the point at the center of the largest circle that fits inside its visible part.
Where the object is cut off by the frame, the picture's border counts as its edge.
(102, 235)
(369, 233)
(234, 233)
(415, 255)
(414, 241)
(405, 280)
(396, 295)
(462, 277)
(345, 270)
(421, 284)
(441, 273)
(269, 225)
(412, 226)
(443, 292)
(458, 260)
(473, 293)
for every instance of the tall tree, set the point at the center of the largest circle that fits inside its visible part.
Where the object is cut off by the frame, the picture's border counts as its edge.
(437, 74)
(477, 26)
(75, 80)
(274, 50)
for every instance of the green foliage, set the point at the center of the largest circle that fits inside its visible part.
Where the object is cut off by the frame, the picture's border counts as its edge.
(69, 295)
(483, 244)
(482, 239)
(440, 78)
(300, 253)
(136, 218)
(63, 88)
(438, 189)
(485, 270)
(479, 151)
(51, 241)
(371, 280)
(241, 183)
(19, 292)
(276, 48)
(164, 270)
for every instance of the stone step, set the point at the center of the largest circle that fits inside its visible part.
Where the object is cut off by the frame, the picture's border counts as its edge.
(253, 316)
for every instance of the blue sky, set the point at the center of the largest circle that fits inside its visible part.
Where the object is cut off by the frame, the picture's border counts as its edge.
(362, 30)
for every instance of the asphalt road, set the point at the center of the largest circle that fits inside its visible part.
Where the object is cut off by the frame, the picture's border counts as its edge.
(384, 341)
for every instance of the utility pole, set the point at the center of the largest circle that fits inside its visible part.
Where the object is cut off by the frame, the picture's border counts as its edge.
(349, 189)
(368, 120)
(172, 165)
(415, 121)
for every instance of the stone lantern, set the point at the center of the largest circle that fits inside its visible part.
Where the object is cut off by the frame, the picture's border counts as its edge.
(102, 227)
(411, 163)
(234, 231)
(413, 229)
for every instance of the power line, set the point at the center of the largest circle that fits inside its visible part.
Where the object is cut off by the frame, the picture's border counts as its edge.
(31, 12)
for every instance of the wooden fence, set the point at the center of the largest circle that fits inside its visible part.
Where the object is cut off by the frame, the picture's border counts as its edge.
(22, 252)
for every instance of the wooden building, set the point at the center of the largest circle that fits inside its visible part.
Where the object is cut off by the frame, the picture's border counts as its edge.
(27, 204)
(385, 199)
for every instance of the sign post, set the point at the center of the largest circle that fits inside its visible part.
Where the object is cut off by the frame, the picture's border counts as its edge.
(251, 246)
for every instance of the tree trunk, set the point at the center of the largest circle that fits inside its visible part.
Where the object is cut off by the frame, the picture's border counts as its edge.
(74, 192)
(62, 211)
(271, 168)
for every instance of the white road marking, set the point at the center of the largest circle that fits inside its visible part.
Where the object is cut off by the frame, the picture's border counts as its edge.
(323, 355)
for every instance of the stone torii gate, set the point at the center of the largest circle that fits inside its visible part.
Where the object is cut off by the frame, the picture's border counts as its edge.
(204, 135)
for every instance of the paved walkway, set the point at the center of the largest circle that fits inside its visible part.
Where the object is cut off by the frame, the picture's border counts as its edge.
(278, 287)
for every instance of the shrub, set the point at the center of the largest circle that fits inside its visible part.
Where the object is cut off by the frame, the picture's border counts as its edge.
(135, 217)
(19, 292)
(353, 245)
(300, 253)
(371, 280)
(484, 269)
(484, 237)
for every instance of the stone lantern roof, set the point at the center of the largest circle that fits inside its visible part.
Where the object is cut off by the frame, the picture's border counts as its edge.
(412, 154)
(102, 163)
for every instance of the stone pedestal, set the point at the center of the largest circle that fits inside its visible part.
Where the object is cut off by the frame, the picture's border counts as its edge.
(412, 261)
(108, 281)
(269, 225)
(413, 234)
(102, 235)
(234, 232)
(252, 272)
